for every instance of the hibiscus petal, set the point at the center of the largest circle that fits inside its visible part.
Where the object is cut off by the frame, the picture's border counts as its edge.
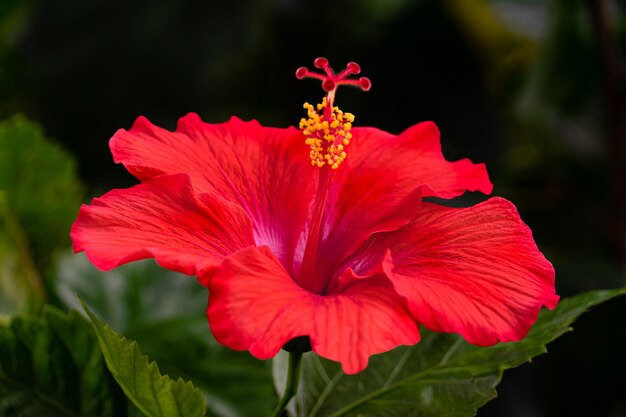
(255, 305)
(475, 271)
(379, 188)
(410, 160)
(162, 219)
(352, 227)
(263, 170)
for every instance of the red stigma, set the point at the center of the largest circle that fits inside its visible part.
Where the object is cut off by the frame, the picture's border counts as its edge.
(330, 80)
(353, 68)
(320, 63)
(301, 72)
(365, 83)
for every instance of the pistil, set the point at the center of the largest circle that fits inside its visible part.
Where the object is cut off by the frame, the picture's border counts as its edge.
(308, 271)
(327, 132)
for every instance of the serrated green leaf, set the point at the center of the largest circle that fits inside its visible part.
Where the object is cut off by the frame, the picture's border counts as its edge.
(235, 383)
(154, 394)
(165, 313)
(442, 376)
(51, 365)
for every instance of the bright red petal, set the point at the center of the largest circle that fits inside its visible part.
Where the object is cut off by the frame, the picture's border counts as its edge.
(161, 219)
(263, 170)
(255, 305)
(380, 185)
(474, 271)
(410, 160)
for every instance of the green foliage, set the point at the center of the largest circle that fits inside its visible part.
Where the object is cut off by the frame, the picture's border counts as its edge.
(165, 313)
(442, 376)
(20, 285)
(40, 186)
(132, 296)
(154, 394)
(11, 14)
(235, 383)
(52, 366)
(564, 78)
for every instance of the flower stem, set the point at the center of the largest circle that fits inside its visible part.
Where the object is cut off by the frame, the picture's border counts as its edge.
(293, 378)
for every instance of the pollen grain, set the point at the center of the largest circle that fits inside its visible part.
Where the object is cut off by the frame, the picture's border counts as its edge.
(327, 132)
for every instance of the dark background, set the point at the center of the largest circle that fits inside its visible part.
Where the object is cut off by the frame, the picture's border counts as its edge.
(535, 89)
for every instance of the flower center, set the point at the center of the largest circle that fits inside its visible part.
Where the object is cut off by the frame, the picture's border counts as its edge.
(327, 132)
(327, 128)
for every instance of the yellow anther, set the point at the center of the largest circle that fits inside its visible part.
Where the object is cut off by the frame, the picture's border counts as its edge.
(327, 133)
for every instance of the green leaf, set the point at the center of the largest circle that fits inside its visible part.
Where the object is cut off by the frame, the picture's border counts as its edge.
(441, 376)
(235, 383)
(40, 185)
(51, 365)
(154, 394)
(165, 313)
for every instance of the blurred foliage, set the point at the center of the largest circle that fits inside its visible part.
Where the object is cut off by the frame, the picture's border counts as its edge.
(21, 288)
(40, 187)
(164, 312)
(442, 376)
(52, 366)
(132, 296)
(565, 74)
(39, 196)
(506, 56)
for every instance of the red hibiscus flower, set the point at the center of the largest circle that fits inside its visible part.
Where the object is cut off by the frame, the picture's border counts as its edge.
(321, 232)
